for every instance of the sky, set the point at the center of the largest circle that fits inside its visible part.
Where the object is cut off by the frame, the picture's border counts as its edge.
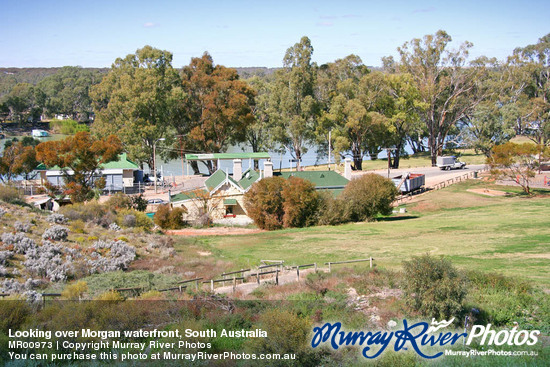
(52, 33)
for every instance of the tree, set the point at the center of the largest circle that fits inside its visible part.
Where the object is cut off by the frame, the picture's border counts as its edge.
(359, 117)
(18, 158)
(134, 100)
(215, 108)
(444, 84)
(22, 104)
(404, 118)
(295, 108)
(82, 155)
(530, 89)
(258, 133)
(517, 162)
(68, 92)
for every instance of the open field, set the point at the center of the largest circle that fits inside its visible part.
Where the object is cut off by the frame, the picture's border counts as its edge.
(507, 235)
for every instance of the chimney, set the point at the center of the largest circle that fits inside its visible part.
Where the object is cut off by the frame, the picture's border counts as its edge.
(268, 169)
(347, 168)
(237, 169)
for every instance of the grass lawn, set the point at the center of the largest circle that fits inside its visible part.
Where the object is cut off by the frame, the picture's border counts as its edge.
(507, 235)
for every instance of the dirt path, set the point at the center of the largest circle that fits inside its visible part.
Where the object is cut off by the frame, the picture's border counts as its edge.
(285, 277)
(213, 231)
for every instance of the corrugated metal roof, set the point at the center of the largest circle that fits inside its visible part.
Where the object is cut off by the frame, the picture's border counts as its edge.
(249, 177)
(321, 179)
(122, 163)
(186, 195)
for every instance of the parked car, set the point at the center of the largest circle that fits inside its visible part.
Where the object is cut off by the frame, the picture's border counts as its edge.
(156, 201)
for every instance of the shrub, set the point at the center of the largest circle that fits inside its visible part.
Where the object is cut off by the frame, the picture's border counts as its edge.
(139, 203)
(78, 226)
(89, 212)
(287, 333)
(21, 243)
(332, 211)
(119, 201)
(5, 256)
(168, 218)
(47, 261)
(118, 257)
(130, 218)
(2, 212)
(22, 227)
(114, 227)
(9, 194)
(75, 290)
(433, 286)
(300, 204)
(264, 203)
(369, 195)
(67, 127)
(56, 233)
(57, 218)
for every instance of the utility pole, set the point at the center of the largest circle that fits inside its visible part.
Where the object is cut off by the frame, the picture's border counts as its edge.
(329, 147)
(155, 161)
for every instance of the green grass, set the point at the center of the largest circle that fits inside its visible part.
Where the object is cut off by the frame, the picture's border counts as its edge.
(506, 235)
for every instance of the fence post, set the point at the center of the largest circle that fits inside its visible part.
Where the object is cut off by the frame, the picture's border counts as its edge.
(315, 267)
(370, 262)
(258, 277)
(197, 285)
(298, 272)
(212, 285)
(329, 267)
(277, 275)
(234, 283)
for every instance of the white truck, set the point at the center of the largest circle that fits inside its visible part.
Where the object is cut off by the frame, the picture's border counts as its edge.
(450, 162)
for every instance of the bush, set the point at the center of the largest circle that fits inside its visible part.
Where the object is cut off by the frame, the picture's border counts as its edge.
(433, 287)
(75, 291)
(301, 203)
(9, 194)
(332, 211)
(368, 196)
(168, 218)
(56, 233)
(21, 243)
(134, 219)
(264, 203)
(22, 227)
(47, 261)
(119, 201)
(139, 203)
(57, 218)
(274, 203)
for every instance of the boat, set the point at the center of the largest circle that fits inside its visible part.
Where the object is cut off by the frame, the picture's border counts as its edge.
(36, 133)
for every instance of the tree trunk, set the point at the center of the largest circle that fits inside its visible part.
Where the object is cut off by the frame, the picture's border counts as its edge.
(195, 167)
(396, 156)
(357, 159)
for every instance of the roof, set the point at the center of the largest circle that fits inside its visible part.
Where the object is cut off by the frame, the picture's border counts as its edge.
(249, 177)
(122, 163)
(187, 195)
(200, 157)
(215, 180)
(321, 179)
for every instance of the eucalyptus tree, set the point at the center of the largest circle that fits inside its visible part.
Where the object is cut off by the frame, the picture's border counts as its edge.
(529, 69)
(133, 101)
(295, 108)
(444, 83)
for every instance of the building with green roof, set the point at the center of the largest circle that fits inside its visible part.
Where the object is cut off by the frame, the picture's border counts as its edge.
(225, 192)
(119, 175)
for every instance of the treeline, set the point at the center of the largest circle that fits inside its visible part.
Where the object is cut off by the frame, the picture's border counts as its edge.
(430, 97)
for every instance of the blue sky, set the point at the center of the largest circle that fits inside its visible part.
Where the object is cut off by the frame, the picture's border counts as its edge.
(50, 33)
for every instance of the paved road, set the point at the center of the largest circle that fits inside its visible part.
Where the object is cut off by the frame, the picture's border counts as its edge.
(433, 174)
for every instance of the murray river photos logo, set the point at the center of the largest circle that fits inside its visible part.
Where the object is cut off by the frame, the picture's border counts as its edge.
(419, 336)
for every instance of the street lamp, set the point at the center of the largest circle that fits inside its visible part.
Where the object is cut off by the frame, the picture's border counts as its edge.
(155, 161)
